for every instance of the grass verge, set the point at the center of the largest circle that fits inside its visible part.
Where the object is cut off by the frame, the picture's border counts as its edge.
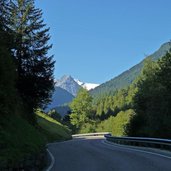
(52, 129)
(19, 141)
(22, 146)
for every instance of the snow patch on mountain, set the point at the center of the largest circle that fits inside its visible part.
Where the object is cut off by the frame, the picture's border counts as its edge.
(72, 85)
(88, 86)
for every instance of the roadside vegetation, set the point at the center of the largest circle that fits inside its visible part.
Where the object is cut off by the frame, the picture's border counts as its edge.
(51, 128)
(20, 143)
(116, 124)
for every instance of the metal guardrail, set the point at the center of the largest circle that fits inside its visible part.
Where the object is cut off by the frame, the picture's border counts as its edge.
(91, 134)
(141, 141)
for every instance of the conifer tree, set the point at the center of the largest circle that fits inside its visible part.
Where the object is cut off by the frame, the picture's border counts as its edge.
(7, 68)
(4, 21)
(34, 67)
(152, 101)
(3, 12)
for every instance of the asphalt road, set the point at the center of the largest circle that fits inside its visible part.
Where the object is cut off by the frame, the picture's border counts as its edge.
(93, 154)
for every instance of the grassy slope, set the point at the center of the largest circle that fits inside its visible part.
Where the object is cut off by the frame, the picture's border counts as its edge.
(18, 140)
(53, 130)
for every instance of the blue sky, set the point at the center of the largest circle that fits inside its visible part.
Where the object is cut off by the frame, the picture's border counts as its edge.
(96, 40)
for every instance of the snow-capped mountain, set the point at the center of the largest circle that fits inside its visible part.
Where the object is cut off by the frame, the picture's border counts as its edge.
(66, 89)
(88, 86)
(72, 85)
(69, 84)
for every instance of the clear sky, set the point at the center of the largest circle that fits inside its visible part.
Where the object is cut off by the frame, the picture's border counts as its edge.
(95, 40)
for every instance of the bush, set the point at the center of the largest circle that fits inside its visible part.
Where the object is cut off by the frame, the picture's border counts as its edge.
(116, 125)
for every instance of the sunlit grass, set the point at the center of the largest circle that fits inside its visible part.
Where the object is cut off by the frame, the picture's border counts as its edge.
(53, 129)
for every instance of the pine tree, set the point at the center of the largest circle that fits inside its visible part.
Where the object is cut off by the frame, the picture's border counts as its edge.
(152, 101)
(5, 32)
(7, 68)
(3, 12)
(34, 67)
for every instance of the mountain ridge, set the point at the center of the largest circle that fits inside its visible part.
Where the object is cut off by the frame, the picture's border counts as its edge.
(127, 77)
(68, 83)
(60, 97)
(72, 85)
(66, 89)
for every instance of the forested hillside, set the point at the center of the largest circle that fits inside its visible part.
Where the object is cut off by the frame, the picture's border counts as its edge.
(127, 77)
(141, 109)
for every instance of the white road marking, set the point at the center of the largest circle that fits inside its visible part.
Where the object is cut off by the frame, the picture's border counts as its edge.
(52, 161)
(132, 149)
(51, 155)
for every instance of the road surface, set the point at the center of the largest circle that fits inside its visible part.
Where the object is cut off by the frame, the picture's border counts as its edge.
(93, 154)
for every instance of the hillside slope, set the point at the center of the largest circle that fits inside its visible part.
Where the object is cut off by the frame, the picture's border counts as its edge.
(60, 97)
(127, 77)
(53, 130)
(20, 144)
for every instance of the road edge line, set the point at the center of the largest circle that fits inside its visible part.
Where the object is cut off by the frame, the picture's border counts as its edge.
(133, 149)
(52, 160)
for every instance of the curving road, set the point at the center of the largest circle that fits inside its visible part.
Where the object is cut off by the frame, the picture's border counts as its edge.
(93, 154)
